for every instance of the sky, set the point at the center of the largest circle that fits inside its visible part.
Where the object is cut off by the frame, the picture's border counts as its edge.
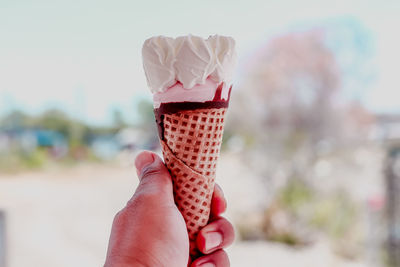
(84, 56)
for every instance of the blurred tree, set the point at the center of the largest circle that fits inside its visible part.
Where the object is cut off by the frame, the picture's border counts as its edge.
(291, 114)
(288, 106)
(147, 125)
(118, 119)
(53, 120)
(291, 111)
(56, 120)
(15, 119)
(294, 83)
(145, 109)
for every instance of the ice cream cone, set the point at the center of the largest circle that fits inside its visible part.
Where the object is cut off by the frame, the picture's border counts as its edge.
(190, 78)
(191, 143)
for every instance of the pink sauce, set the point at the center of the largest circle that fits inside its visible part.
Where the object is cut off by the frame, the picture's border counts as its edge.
(200, 93)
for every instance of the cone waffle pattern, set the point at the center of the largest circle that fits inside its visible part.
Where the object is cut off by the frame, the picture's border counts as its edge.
(191, 146)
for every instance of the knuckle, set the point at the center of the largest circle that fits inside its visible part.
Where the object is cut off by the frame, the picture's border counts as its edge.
(225, 223)
(228, 225)
(119, 217)
(229, 232)
(225, 227)
(222, 258)
(139, 199)
(150, 171)
(143, 198)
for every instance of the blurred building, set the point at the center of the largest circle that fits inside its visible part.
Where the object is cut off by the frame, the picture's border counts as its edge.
(105, 147)
(28, 140)
(387, 127)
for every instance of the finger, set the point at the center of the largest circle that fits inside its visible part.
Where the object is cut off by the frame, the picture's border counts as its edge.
(142, 160)
(218, 202)
(216, 259)
(216, 235)
(153, 175)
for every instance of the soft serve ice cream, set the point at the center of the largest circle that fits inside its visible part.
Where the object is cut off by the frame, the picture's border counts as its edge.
(188, 68)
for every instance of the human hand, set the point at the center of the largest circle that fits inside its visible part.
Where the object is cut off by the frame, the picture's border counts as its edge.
(150, 230)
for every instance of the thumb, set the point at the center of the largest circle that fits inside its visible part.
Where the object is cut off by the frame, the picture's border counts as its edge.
(153, 175)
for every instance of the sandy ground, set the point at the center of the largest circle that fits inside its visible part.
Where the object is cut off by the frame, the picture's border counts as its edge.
(63, 218)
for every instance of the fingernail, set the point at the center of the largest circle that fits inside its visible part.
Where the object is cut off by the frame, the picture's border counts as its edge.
(213, 240)
(207, 264)
(143, 160)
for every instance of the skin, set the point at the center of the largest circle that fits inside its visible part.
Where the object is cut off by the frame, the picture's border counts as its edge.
(150, 231)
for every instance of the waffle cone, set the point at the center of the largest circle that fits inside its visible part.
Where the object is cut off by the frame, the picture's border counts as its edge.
(191, 144)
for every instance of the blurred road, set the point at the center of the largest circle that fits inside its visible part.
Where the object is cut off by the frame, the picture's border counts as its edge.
(62, 217)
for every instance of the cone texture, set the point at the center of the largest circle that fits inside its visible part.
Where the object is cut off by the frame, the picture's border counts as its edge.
(191, 146)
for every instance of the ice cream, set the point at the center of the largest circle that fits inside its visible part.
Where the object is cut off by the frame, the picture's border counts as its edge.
(188, 68)
(190, 78)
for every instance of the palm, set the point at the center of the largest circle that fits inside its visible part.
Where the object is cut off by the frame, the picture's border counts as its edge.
(168, 237)
(159, 234)
(150, 230)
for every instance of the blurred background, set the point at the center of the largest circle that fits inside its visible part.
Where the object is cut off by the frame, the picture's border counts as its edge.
(311, 155)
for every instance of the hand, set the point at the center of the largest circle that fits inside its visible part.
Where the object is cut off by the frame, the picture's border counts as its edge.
(150, 230)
